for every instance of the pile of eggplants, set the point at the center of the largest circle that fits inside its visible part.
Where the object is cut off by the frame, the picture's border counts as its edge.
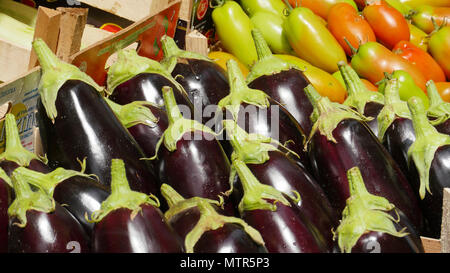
(272, 167)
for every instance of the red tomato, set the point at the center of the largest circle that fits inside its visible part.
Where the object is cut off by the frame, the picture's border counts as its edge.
(345, 23)
(389, 25)
(421, 59)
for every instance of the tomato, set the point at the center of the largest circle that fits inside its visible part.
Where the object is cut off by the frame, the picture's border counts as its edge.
(320, 7)
(418, 37)
(373, 59)
(443, 90)
(221, 58)
(345, 23)
(389, 25)
(423, 14)
(312, 41)
(421, 59)
(438, 46)
(322, 81)
(233, 28)
(434, 3)
(251, 7)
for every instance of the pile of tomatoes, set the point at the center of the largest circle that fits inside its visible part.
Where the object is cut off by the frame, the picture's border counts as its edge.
(380, 39)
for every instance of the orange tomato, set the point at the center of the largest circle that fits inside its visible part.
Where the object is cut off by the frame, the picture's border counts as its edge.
(345, 23)
(320, 7)
(444, 90)
(370, 86)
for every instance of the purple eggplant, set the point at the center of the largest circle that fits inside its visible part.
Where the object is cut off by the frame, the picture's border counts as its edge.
(5, 199)
(369, 225)
(136, 78)
(75, 123)
(15, 155)
(145, 121)
(364, 101)
(38, 224)
(429, 156)
(191, 159)
(395, 127)
(205, 230)
(205, 82)
(273, 167)
(439, 110)
(78, 192)
(282, 225)
(283, 82)
(130, 221)
(339, 141)
(256, 112)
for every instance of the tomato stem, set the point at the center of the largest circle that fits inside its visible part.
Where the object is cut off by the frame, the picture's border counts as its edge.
(352, 48)
(290, 8)
(219, 3)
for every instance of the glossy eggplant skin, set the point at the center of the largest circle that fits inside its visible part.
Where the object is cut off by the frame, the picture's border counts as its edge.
(198, 167)
(439, 179)
(379, 242)
(285, 175)
(147, 232)
(444, 128)
(205, 82)
(146, 136)
(55, 232)
(274, 122)
(35, 165)
(147, 87)
(357, 146)
(86, 127)
(231, 238)
(286, 87)
(372, 109)
(398, 138)
(5, 200)
(81, 195)
(285, 230)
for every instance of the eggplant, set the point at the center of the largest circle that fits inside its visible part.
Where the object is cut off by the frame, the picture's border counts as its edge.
(130, 221)
(15, 155)
(271, 166)
(38, 224)
(368, 223)
(191, 159)
(395, 127)
(136, 78)
(439, 110)
(205, 82)
(75, 122)
(341, 140)
(5, 200)
(256, 112)
(364, 101)
(199, 222)
(283, 227)
(79, 192)
(283, 82)
(429, 156)
(145, 121)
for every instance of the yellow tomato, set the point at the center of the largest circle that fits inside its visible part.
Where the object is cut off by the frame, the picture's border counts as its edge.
(221, 58)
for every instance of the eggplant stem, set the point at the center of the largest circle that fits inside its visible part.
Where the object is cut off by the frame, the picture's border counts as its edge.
(169, 46)
(433, 94)
(262, 48)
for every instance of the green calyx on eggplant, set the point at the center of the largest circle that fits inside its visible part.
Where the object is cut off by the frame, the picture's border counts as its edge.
(428, 141)
(178, 125)
(5, 177)
(240, 92)
(393, 108)
(121, 195)
(209, 219)
(134, 113)
(364, 212)
(358, 95)
(327, 115)
(267, 63)
(129, 64)
(439, 110)
(14, 151)
(172, 54)
(54, 74)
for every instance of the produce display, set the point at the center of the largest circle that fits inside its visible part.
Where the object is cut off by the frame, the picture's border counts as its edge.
(312, 127)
